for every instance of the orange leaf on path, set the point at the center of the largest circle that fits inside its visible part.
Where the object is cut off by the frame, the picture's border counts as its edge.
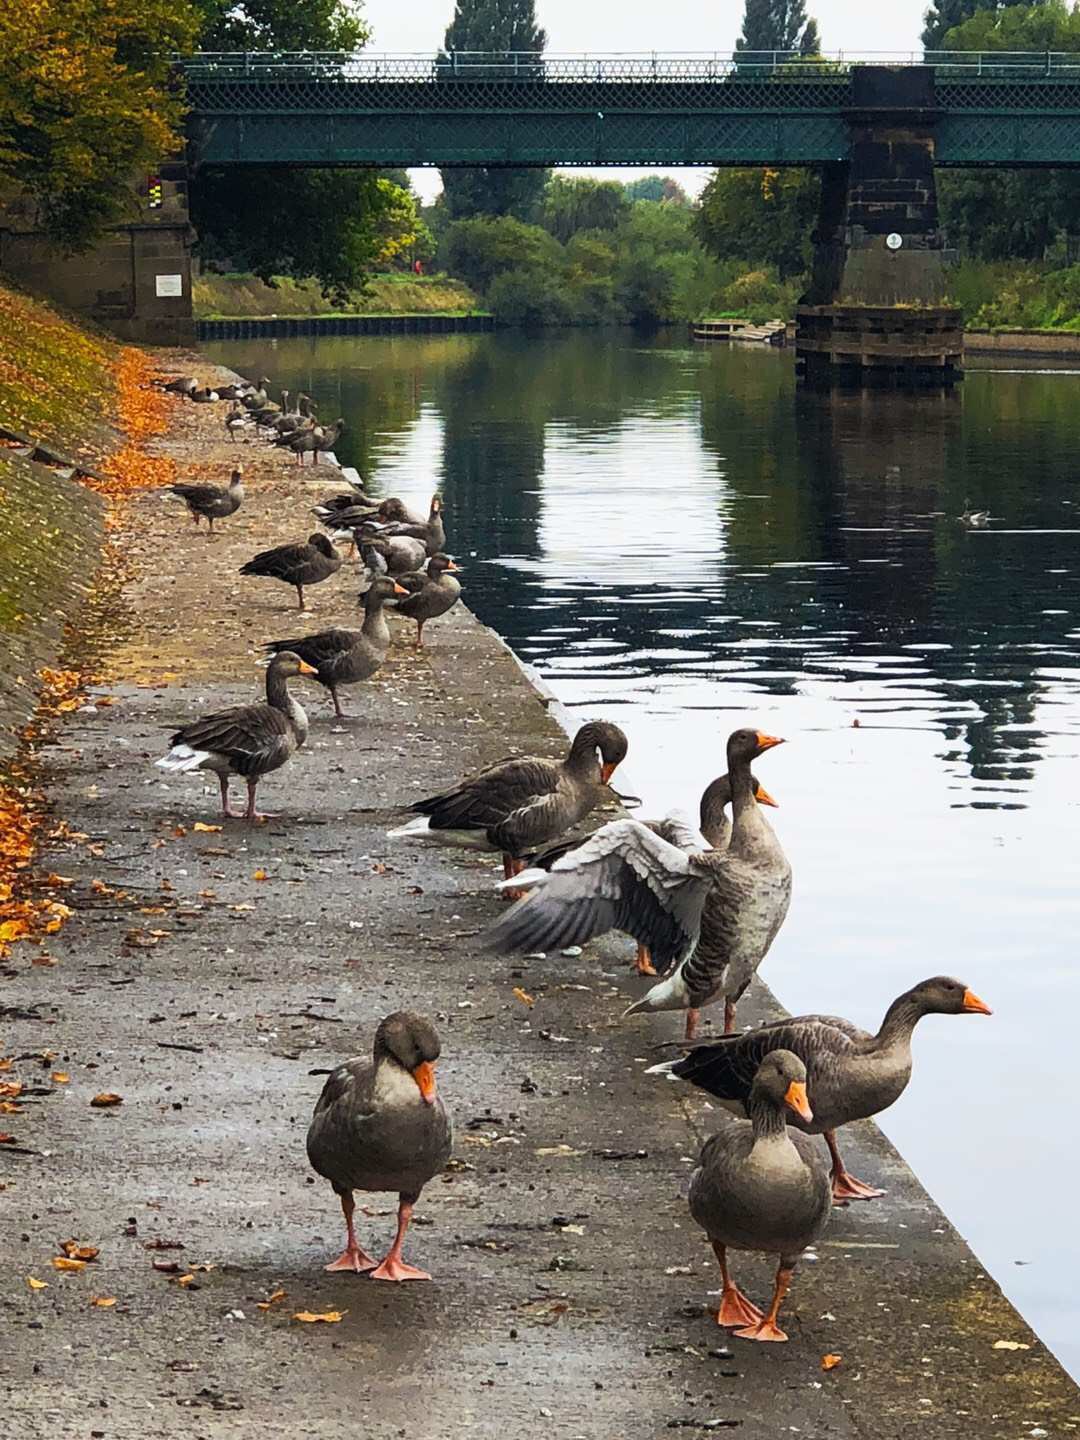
(103, 1301)
(60, 1077)
(830, 1362)
(260, 875)
(106, 1098)
(61, 1262)
(274, 1298)
(36, 1284)
(206, 829)
(328, 1317)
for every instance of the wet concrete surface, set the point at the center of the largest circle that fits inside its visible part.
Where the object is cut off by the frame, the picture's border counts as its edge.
(571, 1291)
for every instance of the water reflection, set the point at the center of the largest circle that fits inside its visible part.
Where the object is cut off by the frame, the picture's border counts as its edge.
(678, 537)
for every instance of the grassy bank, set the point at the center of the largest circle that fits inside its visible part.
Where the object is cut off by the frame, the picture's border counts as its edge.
(1016, 295)
(234, 297)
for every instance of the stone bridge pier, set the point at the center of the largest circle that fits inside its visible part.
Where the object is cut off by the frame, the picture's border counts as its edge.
(874, 312)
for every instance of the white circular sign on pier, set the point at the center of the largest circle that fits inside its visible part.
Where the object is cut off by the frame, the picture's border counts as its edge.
(894, 241)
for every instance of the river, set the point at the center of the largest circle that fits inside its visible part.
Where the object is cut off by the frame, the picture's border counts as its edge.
(680, 539)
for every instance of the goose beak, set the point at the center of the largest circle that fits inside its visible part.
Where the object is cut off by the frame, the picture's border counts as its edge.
(795, 1099)
(452, 566)
(762, 796)
(399, 589)
(766, 742)
(606, 771)
(974, 1006)
(306, 669)
(424, 1075)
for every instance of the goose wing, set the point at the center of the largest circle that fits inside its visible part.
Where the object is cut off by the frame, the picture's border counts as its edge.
(319, 649)
(726, 1067)
(282, 563)
(198, 496)
(622, 878)
(490, 797)
(253, 738)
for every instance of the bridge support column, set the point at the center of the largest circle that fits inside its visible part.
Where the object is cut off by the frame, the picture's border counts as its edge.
(135, 282)
(875, 311)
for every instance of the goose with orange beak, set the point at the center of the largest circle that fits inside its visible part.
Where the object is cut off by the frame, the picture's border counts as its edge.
(762, 1186)
(706, 914)
(851, 1075)
(379, 1124)
(520, 805)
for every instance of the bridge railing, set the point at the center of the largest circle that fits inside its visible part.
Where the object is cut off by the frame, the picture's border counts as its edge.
(627, 66)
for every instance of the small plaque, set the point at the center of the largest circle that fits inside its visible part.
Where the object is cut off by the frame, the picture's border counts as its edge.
(894, 241)
(169, 284)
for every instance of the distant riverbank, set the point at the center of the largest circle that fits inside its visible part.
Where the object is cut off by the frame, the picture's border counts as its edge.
(235, 297)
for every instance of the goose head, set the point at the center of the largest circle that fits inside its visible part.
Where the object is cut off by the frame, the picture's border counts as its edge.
(746, 745)
(439, 564)
(408, 1042)
(599, 739)
(287, 664)
(942, 995)
(781, 1080)
(322, 544)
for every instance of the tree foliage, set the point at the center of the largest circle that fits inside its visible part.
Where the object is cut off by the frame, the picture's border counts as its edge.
(764, 215)
(501, 27)
(281, 25)
(656, 187)
(85, 103)
(773, 25)
(1040, 25)
(945, 15)
(572, 204)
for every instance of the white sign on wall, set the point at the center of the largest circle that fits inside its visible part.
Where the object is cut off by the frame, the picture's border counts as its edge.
(169, 284)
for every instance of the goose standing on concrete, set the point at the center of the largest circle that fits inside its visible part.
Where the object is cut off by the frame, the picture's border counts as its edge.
(432, 531)
(212, 502)
(307, 564)
(379, 1124)
(400, 554)
(236, 422)
(246, 740)
(438, 593)
(852, 1075)
(628, 878)
(520, 805)
(760, 1186)
(345, 657)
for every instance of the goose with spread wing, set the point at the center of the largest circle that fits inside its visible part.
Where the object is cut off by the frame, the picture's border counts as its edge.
(710, 914)
(517, 806)
(715, 831)
(852, 1075)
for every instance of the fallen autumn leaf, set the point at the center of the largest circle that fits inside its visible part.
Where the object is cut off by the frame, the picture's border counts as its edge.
(105, 1099)
(328, 1317)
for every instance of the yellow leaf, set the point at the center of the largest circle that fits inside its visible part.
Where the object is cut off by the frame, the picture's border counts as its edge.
(260, 875)
(830, 1362)
(61, 1262)
(60, 1077)
(36, 1284)
(524, 996)
(103, 1302)
(185, 1280)
(206, 829)
(328, 1317)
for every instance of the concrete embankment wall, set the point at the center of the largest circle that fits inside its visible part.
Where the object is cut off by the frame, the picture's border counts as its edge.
(57, 387)
(1048, 343)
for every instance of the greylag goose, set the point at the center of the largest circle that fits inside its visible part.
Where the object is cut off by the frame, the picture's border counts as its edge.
(345, 657)
(181, 385)
(304, 414)
(212, 502)
(853, 1075)
(712, 914)
(715, 830)
(326, 438)
(307, 564)
(520, 805)
(380, 1125)
(760, 1186)
(234, 391)
(438, 593)
(267, 413)
(255, 399)
(401, 554)
(432, 531)
(247, 740)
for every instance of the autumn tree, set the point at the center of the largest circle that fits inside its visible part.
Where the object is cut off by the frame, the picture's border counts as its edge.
(763, 216)
(500, 27)
(282, 220)
(86, 101)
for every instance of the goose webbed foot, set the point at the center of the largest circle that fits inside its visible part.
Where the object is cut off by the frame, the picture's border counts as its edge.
(729, 1017)
(227, 812)
(354, 1257)
(643, 961)
(393, 1267)
(737, 1310)
(767, 1328)
(844, 1185)
(512, 867)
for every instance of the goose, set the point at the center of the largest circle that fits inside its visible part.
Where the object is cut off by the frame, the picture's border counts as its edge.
(247, 740)
(974, 519)
(714, 826)
(258, 397)
(330, 506)
(308, 563)
(710, 914)
(345, 657)
(761, 1186)
(300, 442)
(267, 413)
(438, 592)
(853, 1075)
(181, 385)
(236, 422)
(212, 501)
(205, 396)
(432, 532)
(520, 805)
(326, 439)
(401, 554)
(234, 391)
(379, 1124)
(294, 419)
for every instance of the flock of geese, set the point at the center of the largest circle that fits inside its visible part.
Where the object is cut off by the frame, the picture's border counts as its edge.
(704, 905)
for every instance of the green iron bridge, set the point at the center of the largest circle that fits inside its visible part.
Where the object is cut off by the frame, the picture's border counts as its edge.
(991, 109)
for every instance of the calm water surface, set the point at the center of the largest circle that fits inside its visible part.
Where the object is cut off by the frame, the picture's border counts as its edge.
(678, 539)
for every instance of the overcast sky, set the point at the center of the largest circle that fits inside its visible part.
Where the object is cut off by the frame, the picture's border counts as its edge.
(678, 25)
